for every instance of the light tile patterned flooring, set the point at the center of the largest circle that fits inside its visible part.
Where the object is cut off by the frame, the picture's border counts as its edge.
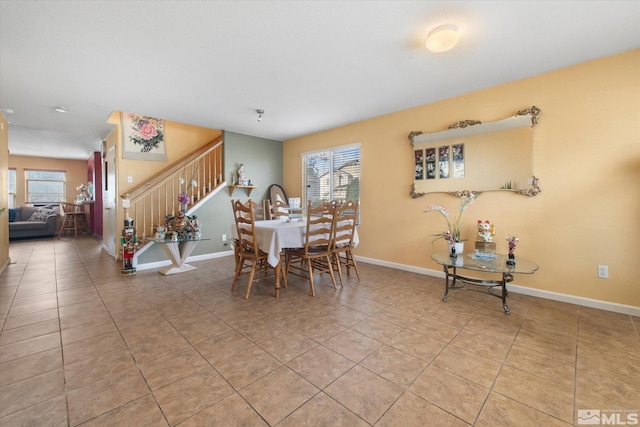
(83, 345)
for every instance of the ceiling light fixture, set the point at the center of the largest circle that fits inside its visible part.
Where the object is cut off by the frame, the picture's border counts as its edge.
(442, 38)
(260, 113)
(62, 109)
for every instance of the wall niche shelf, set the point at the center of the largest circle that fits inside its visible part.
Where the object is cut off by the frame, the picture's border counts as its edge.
(249, 188)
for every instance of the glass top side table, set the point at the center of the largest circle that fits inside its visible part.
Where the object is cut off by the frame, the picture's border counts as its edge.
(178, 251)
(496, 264)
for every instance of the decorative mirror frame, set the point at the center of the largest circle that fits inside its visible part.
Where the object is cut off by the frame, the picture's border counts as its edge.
(276, 190)
(460, 128)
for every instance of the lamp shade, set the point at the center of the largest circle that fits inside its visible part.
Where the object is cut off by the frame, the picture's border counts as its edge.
(442, 38)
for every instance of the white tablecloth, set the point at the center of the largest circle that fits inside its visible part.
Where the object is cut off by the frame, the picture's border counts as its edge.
(275, 235)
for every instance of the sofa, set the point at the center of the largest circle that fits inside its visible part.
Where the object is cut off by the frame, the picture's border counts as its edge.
(33, 221)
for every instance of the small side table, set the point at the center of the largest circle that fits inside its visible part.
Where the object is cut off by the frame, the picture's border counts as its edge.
(497, 264)
(178, 252)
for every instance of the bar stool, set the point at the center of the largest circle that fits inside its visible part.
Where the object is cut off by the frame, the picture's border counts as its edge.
(73, 219)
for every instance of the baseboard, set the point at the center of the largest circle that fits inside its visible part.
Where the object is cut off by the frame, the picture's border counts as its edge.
(204, 257)
(518, 289)
(5, 265)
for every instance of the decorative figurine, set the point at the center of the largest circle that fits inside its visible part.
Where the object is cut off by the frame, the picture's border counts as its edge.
(485, 246)
(161, 231)
(242, 176)
(129, 242)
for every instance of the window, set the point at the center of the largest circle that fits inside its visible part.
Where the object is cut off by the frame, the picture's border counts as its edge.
(45, 186)
(332, 174)
(12, 188)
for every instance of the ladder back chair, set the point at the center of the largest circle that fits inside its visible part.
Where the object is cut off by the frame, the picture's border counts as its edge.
(246, 248)
(315, 257)
(344, 232)
(278, 209)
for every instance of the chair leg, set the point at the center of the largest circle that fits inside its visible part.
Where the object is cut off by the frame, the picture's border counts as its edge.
(310, 269)
(239, 266)
(336, 259)
(351, 260)
(333, 277)
(253, 271)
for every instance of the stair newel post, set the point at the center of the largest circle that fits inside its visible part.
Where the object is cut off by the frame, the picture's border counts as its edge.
(126, 204)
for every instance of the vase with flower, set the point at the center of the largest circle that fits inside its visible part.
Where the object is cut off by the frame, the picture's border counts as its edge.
(452, 235)
(512, 241)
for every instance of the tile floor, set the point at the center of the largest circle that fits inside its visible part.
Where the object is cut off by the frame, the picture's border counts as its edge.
(83, 345)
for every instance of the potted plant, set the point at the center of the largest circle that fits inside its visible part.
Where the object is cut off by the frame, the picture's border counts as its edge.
(452, 234)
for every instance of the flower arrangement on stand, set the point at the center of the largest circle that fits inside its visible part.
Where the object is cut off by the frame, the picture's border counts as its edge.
(83, 195)
(512, 241)
(452, 235)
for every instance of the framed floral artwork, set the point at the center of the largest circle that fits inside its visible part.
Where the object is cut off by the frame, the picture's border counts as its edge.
(143, 138)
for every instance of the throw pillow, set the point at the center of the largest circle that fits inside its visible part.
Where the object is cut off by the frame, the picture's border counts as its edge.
(12, 214)
(41, 214)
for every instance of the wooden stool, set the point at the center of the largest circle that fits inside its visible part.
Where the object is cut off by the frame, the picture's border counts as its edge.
(72, 221)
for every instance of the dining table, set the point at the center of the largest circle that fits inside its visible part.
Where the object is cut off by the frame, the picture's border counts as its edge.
(275, 235)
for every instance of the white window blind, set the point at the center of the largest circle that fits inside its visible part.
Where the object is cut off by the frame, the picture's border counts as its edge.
(45, 186)
(331, 174)
(12, 188)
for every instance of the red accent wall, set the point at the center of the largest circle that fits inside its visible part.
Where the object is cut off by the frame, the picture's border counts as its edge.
(94, 174)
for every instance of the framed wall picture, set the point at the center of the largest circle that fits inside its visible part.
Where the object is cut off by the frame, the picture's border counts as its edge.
(142, 138)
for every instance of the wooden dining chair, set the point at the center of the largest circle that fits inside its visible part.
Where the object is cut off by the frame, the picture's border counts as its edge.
(278, 209)
(73, 219)
(260, 210)
(344, 232)
(315, 257)
(247, 249)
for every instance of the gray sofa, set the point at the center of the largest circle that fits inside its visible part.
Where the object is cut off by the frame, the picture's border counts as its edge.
(31, 221)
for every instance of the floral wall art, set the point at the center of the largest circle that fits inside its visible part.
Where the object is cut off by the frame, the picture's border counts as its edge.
(143, 138)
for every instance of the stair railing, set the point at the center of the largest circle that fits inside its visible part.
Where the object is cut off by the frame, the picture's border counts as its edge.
(198, 175)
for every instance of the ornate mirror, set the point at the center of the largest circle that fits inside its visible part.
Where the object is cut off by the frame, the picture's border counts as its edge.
(474, 157)
(276, 192)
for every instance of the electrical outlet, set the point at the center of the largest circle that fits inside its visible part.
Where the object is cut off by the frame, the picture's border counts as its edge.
(224, 237)
(129, 179)
(603, 271)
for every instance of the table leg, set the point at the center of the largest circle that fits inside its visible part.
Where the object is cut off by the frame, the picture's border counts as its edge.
(278, 269)
(446, 284)
(178, 253)
(504, 293)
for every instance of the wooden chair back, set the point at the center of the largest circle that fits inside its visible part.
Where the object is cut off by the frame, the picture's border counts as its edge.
(260, 210)
(70, 208)
(320, 228)
(245, 226)
(278, 209)
(344, 231)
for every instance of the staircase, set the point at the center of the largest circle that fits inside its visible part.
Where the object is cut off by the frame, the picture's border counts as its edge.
(199, 176)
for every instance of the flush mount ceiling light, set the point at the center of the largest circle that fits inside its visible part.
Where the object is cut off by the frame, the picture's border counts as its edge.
(62, 109)
(442, 38)
(260, 113)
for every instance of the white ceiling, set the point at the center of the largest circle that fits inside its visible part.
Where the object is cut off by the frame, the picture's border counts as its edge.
(311, 65)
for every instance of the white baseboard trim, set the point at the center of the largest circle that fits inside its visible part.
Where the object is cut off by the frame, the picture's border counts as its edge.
(204, 257)
(5, 265)
(540, 293)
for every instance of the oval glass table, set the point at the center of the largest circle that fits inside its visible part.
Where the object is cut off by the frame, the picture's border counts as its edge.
(496, 264)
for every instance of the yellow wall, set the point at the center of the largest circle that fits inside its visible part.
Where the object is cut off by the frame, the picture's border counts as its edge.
(4, 196)
(76, 173)
(180, 140)
(586, 152)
